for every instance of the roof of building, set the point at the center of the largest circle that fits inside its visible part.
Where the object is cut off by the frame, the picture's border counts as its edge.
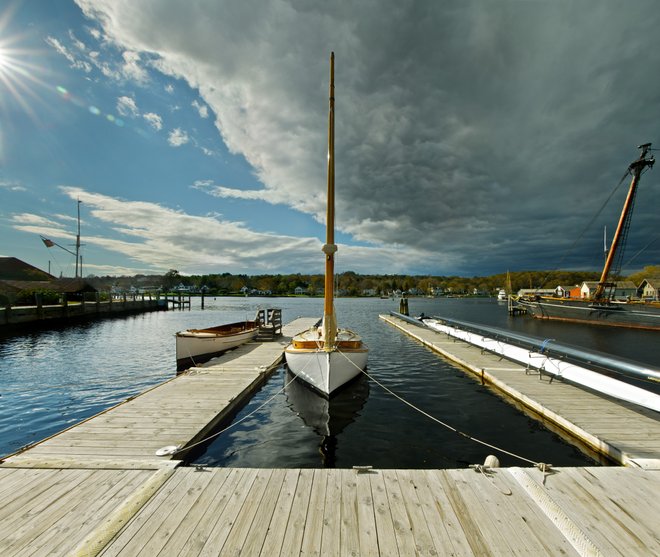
(12, 268)
(65, 285)
(654, 282)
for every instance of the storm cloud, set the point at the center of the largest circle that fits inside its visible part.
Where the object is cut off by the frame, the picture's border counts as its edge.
(486, 135)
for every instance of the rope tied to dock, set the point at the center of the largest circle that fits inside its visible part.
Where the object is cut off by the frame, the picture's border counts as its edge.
(446, 425)
(233, 424)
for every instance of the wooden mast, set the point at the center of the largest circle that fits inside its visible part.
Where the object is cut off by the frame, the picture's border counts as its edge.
(329, 327)
(636, 169)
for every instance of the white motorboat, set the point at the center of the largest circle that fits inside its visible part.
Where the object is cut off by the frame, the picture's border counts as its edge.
(327, 357)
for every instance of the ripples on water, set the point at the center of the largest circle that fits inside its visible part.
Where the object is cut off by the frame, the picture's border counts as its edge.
(52, 379)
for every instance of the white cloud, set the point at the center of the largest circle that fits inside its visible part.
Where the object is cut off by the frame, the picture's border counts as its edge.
(126, 106)
(157, 238)
(29, 222)
(177, 137)
(12, 186)
(155, 121)
(202, 109)
(74, 61)
(132, 68)
(160, 238)
(222, 191)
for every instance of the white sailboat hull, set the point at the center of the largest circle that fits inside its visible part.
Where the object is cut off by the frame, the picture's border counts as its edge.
(326, 371)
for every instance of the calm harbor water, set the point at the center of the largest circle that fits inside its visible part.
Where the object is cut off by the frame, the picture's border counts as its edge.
(52, 379)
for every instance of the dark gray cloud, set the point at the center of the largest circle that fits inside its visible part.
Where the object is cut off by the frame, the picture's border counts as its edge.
(484, 135)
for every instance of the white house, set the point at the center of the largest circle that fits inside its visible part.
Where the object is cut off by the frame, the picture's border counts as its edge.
(649, 289)
(623, 289)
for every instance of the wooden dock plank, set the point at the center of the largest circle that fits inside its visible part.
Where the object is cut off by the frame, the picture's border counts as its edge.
(415, 487)
(255, 537)
(272, 543)
(387, 539)
(441, 515)
(331, 537)
(245, 523)
(204, 516)
(222, 528)
(314, 522)
(51, 534)
(140, 531)
(403, 528)
(53, 520)
(349, 538)
(293, 537)
(366, 514)
(41, 513)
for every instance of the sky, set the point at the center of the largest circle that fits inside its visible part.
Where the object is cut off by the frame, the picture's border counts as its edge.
(471, 137)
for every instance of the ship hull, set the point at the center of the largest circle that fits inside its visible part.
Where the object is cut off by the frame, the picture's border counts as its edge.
(633, 315)
(326, 370)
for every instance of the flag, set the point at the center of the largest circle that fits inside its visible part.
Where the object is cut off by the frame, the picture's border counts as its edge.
(49, 243)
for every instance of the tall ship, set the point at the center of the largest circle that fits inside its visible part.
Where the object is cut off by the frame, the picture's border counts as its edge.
(601, 308)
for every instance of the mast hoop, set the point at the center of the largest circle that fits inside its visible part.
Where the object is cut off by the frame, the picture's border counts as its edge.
(329, 249)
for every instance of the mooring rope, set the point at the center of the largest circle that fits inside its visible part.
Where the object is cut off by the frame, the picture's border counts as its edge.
(444, 424)
(233, 424)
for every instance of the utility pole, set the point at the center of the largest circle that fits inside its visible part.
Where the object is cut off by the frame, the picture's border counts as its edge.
(78, 258)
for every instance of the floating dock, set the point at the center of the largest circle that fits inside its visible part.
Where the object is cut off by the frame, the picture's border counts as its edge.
(622, 434)
(98, 488)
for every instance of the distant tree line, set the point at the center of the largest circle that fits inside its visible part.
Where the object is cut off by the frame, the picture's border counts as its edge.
(350, 283)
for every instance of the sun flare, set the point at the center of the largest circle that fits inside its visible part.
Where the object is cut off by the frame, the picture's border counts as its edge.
(4, 60)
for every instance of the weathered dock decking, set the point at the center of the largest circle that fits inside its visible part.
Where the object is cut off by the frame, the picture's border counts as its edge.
(621, 433)
(185, 511)
(99, 489)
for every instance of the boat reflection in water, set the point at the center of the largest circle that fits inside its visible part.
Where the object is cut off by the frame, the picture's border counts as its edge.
(327, 417)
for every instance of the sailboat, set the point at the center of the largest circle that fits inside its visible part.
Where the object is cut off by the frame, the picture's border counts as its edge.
(327, 357)
(600, 309)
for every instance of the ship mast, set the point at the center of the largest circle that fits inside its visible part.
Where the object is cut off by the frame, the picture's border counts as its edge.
(636, 169)
(329, 327)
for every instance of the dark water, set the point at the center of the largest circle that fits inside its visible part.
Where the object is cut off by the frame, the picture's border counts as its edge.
(52, 379)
